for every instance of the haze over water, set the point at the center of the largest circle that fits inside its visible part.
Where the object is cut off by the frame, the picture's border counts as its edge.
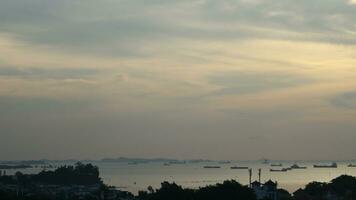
(136, 177)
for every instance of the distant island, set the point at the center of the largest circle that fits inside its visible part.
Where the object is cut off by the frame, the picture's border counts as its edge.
(104, 160)
(147, 160)
(24, 162)
(15, 166)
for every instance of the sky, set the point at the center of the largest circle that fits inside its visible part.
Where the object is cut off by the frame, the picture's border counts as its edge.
(185, 79)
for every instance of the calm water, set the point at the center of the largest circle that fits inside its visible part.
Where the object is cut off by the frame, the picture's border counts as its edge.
(138, 177)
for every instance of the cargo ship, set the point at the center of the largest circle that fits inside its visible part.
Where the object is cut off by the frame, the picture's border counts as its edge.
(295, 166)
(333, 165)
(278, 170)
(238, 167)
(212, 167)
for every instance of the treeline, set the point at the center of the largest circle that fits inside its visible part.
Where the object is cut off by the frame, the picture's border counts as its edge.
(4, 195)
(342, 187)
(15, 166)
(228, 190)
(80, 174)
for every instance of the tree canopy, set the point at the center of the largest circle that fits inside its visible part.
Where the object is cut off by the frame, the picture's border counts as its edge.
(228, 190)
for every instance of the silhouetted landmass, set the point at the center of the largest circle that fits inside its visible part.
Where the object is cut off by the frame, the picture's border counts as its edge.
(15, 166)
(25, 162)
(137, 160)
(283, 194)
(65, 183)
(79, 174)
(228, 190)
(106, 160)
(340, 188)
(153, 160)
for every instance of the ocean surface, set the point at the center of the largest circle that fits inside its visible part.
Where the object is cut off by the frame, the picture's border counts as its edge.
(138, 176)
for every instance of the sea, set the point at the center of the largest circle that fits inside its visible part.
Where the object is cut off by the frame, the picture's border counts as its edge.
(134, 177)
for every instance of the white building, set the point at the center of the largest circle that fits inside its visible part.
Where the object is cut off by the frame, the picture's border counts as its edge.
(268, 190)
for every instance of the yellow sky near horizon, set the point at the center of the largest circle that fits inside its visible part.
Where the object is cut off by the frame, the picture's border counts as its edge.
(308, 60)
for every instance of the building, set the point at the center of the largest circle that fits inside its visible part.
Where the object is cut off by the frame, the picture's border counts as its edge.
(268, 190)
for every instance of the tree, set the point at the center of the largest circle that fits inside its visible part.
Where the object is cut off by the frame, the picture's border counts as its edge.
(343, 184)
(228, 190)
(284, 194)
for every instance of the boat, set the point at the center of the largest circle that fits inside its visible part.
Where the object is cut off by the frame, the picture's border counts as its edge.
(277, 165)
(166, 164)
(351, 165)
(225, 162)
(238, 167)
(295, 166)
(333, 165)
(177, 162)
(278, 170)
(212, 167)
(265, 161)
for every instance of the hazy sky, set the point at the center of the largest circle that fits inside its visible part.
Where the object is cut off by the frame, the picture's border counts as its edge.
(228, 79)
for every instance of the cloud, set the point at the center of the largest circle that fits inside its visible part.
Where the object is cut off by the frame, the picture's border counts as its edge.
(22, 106)
(346, 100)
(242, 82)
(112, 29)
(41, 73)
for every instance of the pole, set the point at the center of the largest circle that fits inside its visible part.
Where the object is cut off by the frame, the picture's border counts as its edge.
(259, 175)
(250, 173)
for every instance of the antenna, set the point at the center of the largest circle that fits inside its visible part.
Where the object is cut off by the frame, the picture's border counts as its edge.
(259, 175)
(250, 173)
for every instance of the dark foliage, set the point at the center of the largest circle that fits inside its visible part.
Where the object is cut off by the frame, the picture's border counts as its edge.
(229, 190)
(316, 189)
(342, 187)
(13, 196)
(79, 174)
(284, 195)
(343, 184)
(7, 180)
(15, 166)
